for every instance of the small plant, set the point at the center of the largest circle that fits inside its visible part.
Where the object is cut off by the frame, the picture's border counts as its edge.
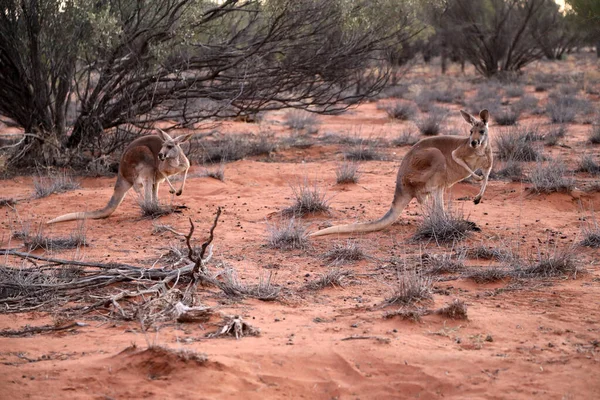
(594, 137)
(555, 135)
(591, 233)
(444, 226)
(516, 145)
(287, 235)
(507, 116)
(302, 120)
(347, 172)
(397, 109)
(482, 252)
(514, 90)
(487, 275)
(7, 202)
(348, 252)
(407, 313)
(430, 125)
(455, 310)
(406, 138)
(44, 186)
(236, 147)
(307, 199)
(411, 288)
(550, 178)
(512, 170)
(526, 103)
(587, 164)
(216, 173)
(155, 209)
(363, 152)
(551, 263)
(38, 240)
(436, 264)
(334, 277)
(564, 109)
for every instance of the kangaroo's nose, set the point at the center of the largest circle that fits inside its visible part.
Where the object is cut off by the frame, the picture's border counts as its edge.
(161, 156)
(473, 143)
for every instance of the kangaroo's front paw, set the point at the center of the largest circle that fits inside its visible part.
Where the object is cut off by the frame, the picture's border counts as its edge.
(178, 193)
(172, 191)
(478, 178)
(477, 199)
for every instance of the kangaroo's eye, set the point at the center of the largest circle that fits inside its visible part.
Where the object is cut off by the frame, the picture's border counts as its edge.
(482, 132)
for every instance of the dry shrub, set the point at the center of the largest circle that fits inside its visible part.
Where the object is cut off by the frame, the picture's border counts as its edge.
(265, 290)
(550, 263)
(8, 202)
(564, 108)
(235, 147)
(37, 239)
(587, 164)
(455, 310)
(444, 226)
(591, 232)
(507, 116)
(46, 185)
(216, 173)
(431, 124)
(345, 253)
(308, 199)
(407, 313)
(487, 253)
(516, 144)
(436, 264)
(332, 278)
(487, 275)
(551, 177)
(512, 170)
(406, 138)
(411, 288)
(594, 136)
(363, 152)
(401, 110)
(155, 209)
(302, 120)
(287, 235)
(347, 172)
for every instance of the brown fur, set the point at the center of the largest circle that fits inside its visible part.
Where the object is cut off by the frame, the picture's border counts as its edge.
(145, 163)
(431, 166)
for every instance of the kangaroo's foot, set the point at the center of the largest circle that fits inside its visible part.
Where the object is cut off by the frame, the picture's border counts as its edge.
(477, 199)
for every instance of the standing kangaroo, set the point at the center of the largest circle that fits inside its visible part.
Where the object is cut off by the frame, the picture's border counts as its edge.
(145, 163)
(431, 166)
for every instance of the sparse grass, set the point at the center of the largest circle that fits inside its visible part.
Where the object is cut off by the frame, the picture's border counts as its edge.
(512, 170)
(431, 124)
(551, 263)
(487, 275)
(447, 263)
(551, 177)
(7, 202)
(236, 147)
(397, 109)
(308, 199)
(527, 103)
(345, 253)
(555, 135)
(587, 164)
(216, 173)
(482, 252)
(591, 232)
(411, 288)
(332, 278)
(363, 152)
(516, 145)
(264, 290)
(444, 226)
(565, 108)
(44, 186)
(514, 90)
(406, 138)
(347, 172)
(594, 137)
(407, 313)
(455, 310)
(287, 235)
(302, 120)
(507, 116)
(154, 209)
(37, 239)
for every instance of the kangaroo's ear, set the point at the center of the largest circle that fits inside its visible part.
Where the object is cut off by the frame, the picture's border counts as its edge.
(468, 117)
(484, 115)
(184, 138)
(164, 135)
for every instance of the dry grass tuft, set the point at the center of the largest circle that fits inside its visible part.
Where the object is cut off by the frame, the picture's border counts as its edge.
(455, 310)
(216, 173)
(487, 275)
(346, 253)
(287, 235)
(431, 124)
(308, 199)
(587, 164)
(302, 120)
(436, 264)
(347, 172)
(363, 152)
(406, 138)
(410, 314)
(551, 177)
(154, 209)
(7, 202)
(397, 109)
(265, 290)
(516, 144)
(444, 226)
(37, 239)
(411, 288)
(591, 232)
(551, 263)
(332, 278)
(44, 186)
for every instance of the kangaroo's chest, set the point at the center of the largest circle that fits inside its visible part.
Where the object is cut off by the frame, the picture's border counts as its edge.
(475, 160)
(173, 166)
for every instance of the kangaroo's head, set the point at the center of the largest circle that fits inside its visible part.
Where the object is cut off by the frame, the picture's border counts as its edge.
(479, 129)
(170, 148)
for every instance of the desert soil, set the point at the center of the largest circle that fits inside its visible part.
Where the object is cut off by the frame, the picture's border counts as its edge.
(523, 339)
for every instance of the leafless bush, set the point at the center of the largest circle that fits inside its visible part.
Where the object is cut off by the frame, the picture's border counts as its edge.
(594, 137)
(411, 288)
(527, 103)
(431, 124)
(550, 263)
(591, 232)
(287, 235)
(397, 109)
(507, 116)
(455, 310)
(265, 289)
(444, 226)
(555, 135)
(551, 177)
(516, 145)
(487, 275)
(406, 138)
(564, 109)
(216, 173)
(587, 164)
(482, 252)
(345, 253)
(363, 152)
(333, 277)
(446, 263)
(514, 90)
(512, 170)
(46, 185)
(308, 199)
(37, 239)
(236, 147)
(347, 172)
(302, 120)
(155, 209)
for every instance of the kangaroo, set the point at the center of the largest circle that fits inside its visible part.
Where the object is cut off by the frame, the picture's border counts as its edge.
(145, 163)
(431, 166)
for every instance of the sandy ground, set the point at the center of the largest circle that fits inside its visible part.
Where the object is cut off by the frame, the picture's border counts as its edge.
(536, 338)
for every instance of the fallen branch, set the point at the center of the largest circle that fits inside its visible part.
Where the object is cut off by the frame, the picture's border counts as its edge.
(39, 329)
(235, 326)
(356, 337)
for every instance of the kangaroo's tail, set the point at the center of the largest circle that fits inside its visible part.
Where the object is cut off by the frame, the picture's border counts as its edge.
(121, 188)
(399, 203)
